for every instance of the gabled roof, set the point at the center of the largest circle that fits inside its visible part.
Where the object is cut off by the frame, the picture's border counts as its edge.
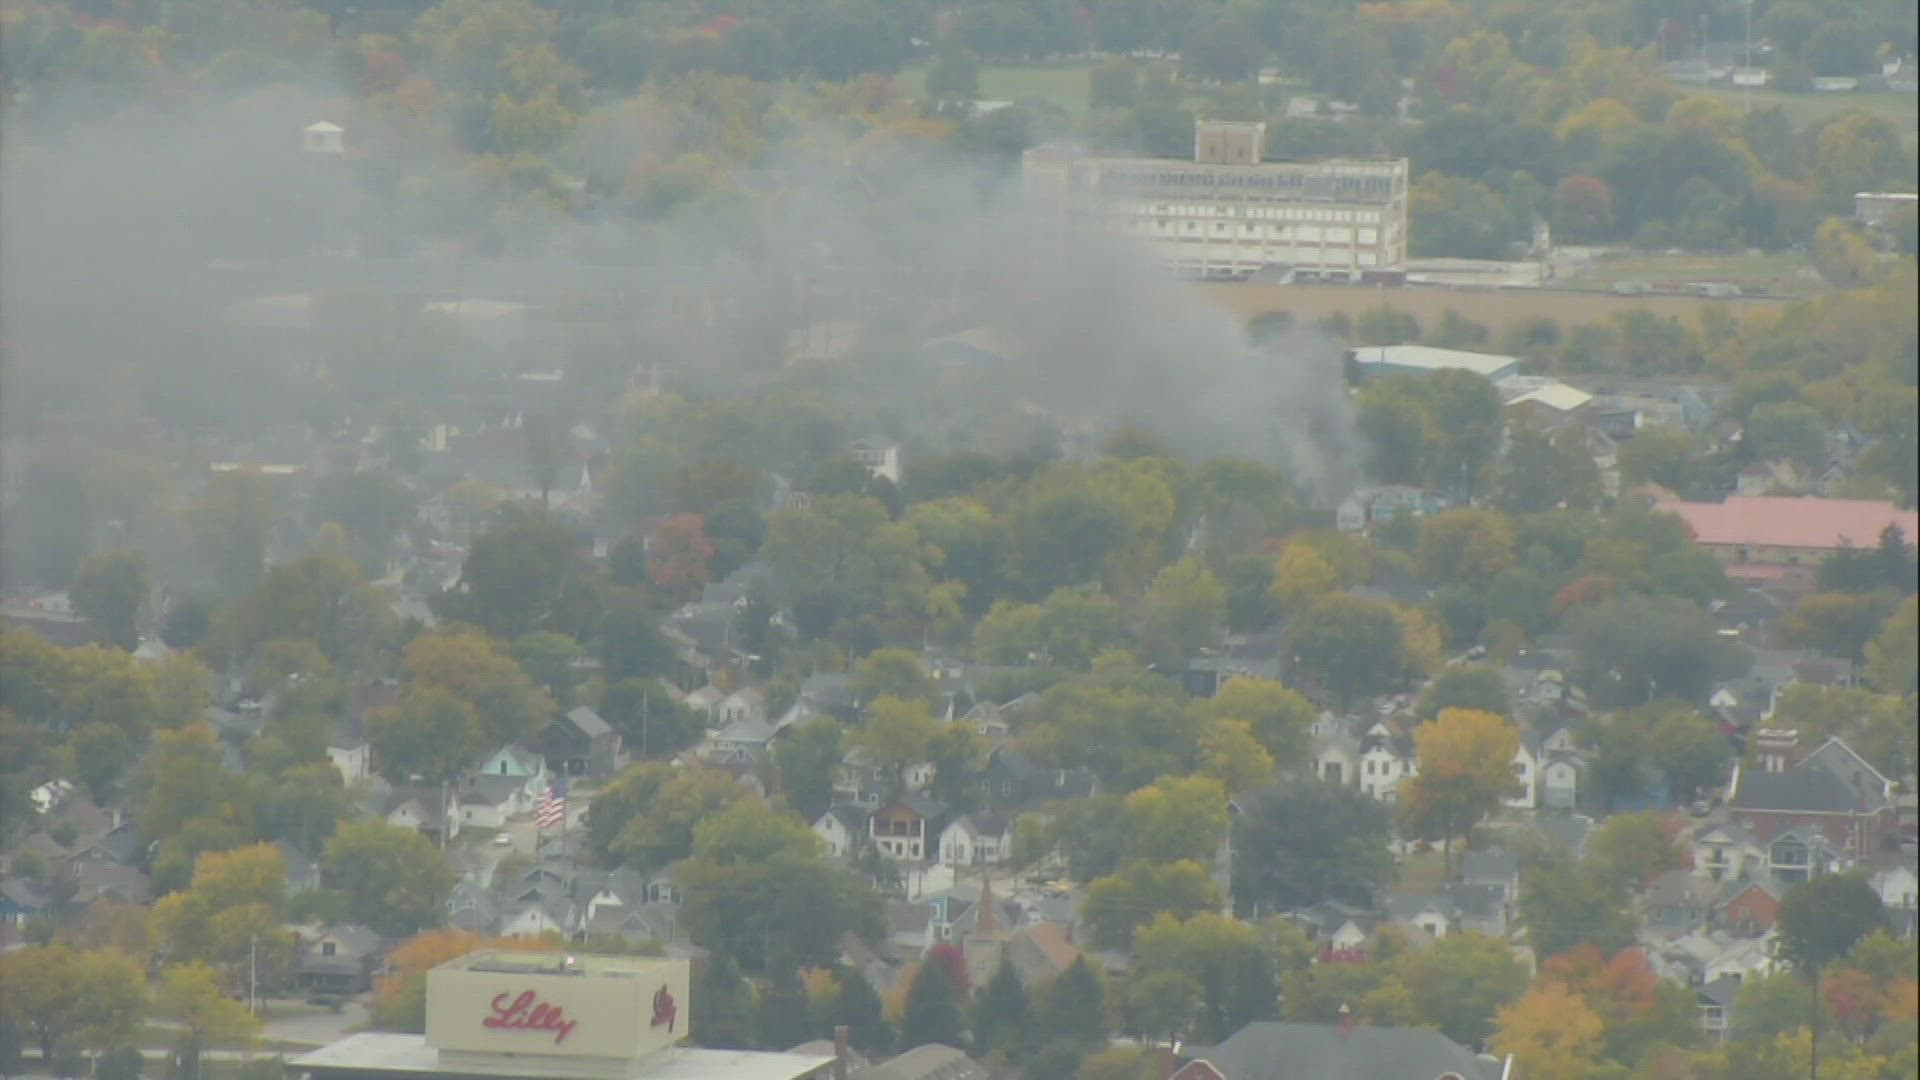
(1800, 789)
(1773, 521)
(1276, 1050)
(588, 722)
(1493, 864)
(851, 818)
(919, 804)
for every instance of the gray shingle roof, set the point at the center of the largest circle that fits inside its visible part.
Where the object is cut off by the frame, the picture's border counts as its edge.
(589, 722)
(1807, 790)
(1275, 1050)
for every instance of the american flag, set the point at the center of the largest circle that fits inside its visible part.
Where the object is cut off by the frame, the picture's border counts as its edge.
(552, 809)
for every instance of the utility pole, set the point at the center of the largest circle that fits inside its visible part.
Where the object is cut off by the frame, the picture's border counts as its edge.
(644, 697)
(253, 975)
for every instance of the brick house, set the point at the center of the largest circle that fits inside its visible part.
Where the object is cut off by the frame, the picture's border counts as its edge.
(1833, 792)
(1752, 908)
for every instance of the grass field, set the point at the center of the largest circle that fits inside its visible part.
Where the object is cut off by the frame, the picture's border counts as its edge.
(1066, 84)
(1778, 273)
(1804, 109)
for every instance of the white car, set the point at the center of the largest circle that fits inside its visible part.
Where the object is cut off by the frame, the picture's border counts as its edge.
(502, 840)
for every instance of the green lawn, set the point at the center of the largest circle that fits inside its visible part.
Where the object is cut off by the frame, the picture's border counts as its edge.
(1804, 109)
(1778, 273)
(1065, 84)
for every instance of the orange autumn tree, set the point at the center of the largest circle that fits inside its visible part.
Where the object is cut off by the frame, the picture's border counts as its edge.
(400, 997)
(680, 556)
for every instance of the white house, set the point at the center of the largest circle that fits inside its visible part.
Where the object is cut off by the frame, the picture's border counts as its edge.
(1560, 782)
(1385, 761)
(842, 829)
(1744, 960)
(1336, 753)
(487, 802)
(537, 916)
(1727, 852)
(746, 703)
(415, 808)
(879, 454)
(973, 839)
(1898, 886)
(1526, 777)
(353, 757)
(520, 763)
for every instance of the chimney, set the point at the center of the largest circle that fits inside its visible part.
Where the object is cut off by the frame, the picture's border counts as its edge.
(1778, 748)
(1346, 1021)
(1167, 1063)
(840, 1052)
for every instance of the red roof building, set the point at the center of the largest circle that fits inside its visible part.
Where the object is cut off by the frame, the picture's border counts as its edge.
(1769, 538)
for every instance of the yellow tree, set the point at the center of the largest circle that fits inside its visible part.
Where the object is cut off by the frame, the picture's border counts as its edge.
(190, 995)
(1230, 754)
(1300, 577)
(1176, 818)
(1551, 1031)
(1466, 768)
(1279, 717)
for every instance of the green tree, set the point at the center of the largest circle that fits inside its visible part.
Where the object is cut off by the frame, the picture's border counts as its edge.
(56, 996)
(892, 673)
(897, 734)
(1222, 958)
(1786, 430)
(108, 589)
(955, 74)
(1071, 1007)
(372, 505)
(1461, 982)
(526, 573)
(1893, 656)
(1838, 624)
(1628, 851)
(1565, 904)
(806, 758)
(1637, 648)
(230, 522)
(189, 995)
(1820, 920)
(1002, 1013)
(933, 1009)
(1350, 645)
(1297, 844)
(664, 829)
(431, 734)
(1118, 904)
(395, 880)
(1544, 471)
(1184, 609)
(550, 660)
(759, 891)
(1690, 749)
(470, 666)
(1176, 818)
(1662, 455)
(1459, 219)
(1278, 717)
(1474, 686)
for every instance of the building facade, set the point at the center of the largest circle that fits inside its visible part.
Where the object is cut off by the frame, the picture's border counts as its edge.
(1228, 213)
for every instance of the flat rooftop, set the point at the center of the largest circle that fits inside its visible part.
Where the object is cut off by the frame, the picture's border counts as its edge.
(382, 1054)
(1428, 358)
(583, 965)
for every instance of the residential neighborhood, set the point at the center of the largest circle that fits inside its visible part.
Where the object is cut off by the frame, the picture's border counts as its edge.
(977, 541)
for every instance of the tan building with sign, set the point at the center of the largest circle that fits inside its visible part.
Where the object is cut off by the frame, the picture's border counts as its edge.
(1230, 213)
(568, 1016)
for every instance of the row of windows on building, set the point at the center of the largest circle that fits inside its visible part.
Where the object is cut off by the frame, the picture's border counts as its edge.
(1162, 226)
(1265, 213)
(1312, 183)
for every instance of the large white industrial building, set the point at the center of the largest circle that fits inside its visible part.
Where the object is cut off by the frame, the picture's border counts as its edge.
(1227, 213)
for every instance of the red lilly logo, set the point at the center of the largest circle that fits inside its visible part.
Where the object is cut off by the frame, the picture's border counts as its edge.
(527, 1012)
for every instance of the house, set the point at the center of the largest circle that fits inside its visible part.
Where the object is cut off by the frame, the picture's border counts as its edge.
(1334, 925)
(929, 1061)
(1207, 673)
(1495, 867)
(337, 959)
(1744, 960)
(1560, 781)
(976, 839)
(1435, 916)
(1040, 951)
(879, 454)
(907, 827)
(487, 801)
(520, 762)
(21, 900)
(1336, 750)
(747, 736)
(1727, 852)
(1286, 1050)
(1386, 757)
(1897, 885)
(860, 781)
(1800, 854)
(352, 756)
(1526, 775)
(746, 703)
(471, 907)
(1479, 909)
(539, 914)
(1777, 477)
(1766, 538)
(842, 829)
(1678, 900)
(1832, 791)
(428, 810)
(1370, 506)
(580, 743)
(1013, 781)
(1716, 1006)
(1748, 908)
